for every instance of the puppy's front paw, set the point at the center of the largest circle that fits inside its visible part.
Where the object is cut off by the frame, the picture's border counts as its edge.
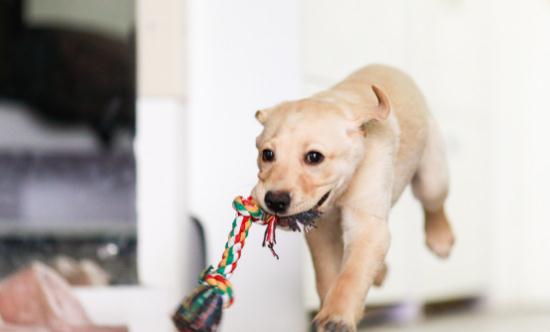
(327, 323)
(333, 326)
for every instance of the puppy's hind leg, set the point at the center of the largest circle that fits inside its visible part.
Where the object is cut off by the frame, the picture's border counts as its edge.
(430, 185)
(381, 276)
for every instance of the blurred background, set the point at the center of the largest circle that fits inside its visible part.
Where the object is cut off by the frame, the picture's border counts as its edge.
(126, 129)
(67, 120)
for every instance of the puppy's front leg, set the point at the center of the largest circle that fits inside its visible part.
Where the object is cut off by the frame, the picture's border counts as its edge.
(366, 241)
(326, 248)
(365, 208)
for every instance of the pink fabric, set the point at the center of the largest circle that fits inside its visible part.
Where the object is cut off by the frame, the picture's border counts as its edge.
(37, 299)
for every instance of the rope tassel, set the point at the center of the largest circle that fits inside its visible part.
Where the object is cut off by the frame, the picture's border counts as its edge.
(269, 237)
(201, 311)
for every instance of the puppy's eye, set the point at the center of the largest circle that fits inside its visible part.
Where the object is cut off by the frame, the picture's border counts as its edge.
(314, 157)
(268, 155)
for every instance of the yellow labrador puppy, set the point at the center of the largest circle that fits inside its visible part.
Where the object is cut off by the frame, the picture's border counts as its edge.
(343, 157)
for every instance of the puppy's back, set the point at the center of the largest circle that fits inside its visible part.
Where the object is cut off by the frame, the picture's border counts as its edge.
(409, 107)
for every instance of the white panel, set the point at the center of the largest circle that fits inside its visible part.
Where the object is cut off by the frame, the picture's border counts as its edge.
(164, 236)
(521, 79)
(162, 48)
(535, 80)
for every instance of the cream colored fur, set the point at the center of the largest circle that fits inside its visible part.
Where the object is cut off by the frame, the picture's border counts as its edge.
(377, 136)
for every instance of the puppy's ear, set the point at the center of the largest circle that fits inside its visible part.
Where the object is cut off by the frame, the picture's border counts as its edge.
(379, 109)
(262, 115)
(382, 110)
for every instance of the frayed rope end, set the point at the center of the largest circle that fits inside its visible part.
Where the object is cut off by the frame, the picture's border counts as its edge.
(200, 312)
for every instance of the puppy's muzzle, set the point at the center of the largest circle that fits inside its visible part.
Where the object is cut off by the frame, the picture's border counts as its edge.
(277, 202)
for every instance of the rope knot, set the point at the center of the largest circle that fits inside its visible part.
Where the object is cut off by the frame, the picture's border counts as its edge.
(221, 284)
(248, 208)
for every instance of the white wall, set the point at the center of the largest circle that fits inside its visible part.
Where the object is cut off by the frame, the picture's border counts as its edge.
(521, 76)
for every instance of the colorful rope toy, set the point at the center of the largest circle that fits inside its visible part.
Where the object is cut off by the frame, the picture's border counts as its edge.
(201, 311)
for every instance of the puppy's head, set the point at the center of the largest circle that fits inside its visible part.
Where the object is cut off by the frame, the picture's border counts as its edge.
(308, 152)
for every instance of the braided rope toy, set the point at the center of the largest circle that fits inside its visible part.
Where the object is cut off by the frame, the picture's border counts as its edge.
(201, 311)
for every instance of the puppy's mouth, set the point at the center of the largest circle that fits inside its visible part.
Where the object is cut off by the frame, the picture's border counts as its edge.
(306, 218)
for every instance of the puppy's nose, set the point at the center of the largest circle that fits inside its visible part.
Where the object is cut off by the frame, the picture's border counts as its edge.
(278, 201)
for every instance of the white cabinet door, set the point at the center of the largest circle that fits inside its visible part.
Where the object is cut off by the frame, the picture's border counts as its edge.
(440, 44)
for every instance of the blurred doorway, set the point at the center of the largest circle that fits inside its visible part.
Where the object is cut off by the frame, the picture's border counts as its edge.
(67, 123)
